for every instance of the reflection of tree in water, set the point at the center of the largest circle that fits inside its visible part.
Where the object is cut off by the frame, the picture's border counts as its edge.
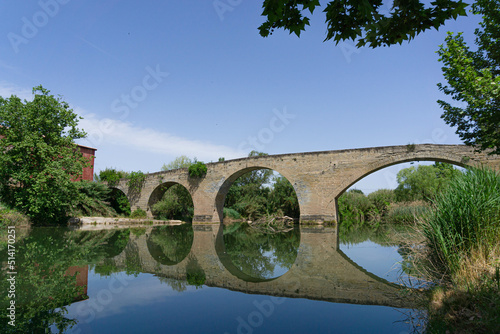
(175, 284)
(384, 234)
(257, 254)
(169, 245)
(195, 275)
(43, 286)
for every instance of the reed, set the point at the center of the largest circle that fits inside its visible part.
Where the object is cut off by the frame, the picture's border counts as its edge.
(465, 219)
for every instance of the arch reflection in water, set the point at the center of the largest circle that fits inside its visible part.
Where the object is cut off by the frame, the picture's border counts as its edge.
(259, 255)
(170, 245)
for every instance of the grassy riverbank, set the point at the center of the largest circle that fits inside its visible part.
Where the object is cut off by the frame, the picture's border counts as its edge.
(462, 254)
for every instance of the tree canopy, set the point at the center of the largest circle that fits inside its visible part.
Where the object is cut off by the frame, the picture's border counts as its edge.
(366, 22)
(474, 80)
(38, 156)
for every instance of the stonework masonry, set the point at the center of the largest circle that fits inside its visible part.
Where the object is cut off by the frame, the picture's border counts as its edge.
(318, 178)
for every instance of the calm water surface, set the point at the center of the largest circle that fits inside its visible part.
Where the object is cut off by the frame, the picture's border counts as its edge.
(207, 279)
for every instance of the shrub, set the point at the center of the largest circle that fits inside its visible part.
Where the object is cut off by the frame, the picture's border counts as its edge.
(381, 199)
(138, 213)
(136, 181)
(230, 213)
(112, 176)
(198, 169)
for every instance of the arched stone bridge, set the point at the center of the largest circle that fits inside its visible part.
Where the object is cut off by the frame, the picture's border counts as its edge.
(318, 178)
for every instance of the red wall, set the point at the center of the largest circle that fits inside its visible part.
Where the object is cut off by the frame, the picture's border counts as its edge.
(88, 152)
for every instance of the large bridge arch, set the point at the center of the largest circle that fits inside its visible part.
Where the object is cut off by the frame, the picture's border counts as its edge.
(229, 181)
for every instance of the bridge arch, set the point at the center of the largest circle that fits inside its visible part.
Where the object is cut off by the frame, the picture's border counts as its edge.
(160, 190)
(460, 162)
(223, 190)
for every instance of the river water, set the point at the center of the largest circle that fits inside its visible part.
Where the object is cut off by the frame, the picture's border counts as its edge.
(206, 279)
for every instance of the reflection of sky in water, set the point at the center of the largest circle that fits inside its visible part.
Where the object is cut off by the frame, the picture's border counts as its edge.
(382, 261)
(146, 305)
(278, 269)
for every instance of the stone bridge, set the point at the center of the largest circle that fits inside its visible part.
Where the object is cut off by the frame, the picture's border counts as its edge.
(318, 178)
(320, 271)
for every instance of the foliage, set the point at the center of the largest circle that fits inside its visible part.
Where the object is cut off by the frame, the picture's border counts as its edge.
(92, 200)
(465, 219)
(231, 213)
(39, 158)
(138, 214)
(12, 217)
(119, 202)
(283, 198)
(474, 80)
(355, 207)
(136, 181)
(112, 176)
(381, 199)
(407, 212)
(197, 169)
(176, 203)
(423, 182)
(179, 162)
(366, 22)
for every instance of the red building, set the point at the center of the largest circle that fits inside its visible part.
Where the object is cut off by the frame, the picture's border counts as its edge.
(88, 172)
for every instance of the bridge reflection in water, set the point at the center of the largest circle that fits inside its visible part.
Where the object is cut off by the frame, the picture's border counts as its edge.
(320, 272)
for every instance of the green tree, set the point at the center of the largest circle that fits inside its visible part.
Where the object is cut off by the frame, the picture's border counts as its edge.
(474, 79)
(38, 156)
(366, 22)
(423, 182)
(283, 198)
(176, 203)
(179, 162)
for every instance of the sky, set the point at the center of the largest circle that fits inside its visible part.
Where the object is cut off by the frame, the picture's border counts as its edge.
(156, 80)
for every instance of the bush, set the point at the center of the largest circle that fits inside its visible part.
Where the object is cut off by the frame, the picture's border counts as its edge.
(381, 199)
(355, 208)
(138, 213)
(92, 200)
(230, 213)
(136, 181)
(111, 176)
(198, 169)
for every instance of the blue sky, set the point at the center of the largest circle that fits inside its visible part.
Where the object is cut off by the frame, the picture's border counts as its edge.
(154, 81)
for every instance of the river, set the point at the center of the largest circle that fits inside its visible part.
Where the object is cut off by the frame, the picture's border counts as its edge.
(207, 279)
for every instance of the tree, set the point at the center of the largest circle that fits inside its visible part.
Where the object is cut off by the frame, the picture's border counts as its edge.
(362, 20)
(474, 80)
(423, 182)
(38, 156)
(179, 162)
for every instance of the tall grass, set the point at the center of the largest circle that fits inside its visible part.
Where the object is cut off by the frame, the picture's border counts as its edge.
(466, 219)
